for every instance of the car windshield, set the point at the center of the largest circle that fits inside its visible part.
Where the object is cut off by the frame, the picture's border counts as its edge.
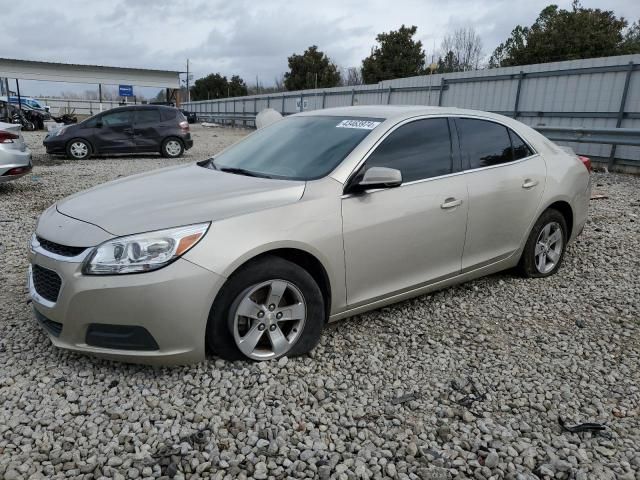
(296, 148)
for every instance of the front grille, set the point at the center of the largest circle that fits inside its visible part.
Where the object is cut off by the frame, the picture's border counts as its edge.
(58, 249)
(46, 282)
(54, 328)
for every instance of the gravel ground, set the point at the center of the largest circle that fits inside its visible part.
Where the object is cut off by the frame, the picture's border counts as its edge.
(465, 383)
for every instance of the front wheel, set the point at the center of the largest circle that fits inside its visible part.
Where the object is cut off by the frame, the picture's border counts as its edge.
(172, 148)
(266, 310)
(78, 149)
(545, 246)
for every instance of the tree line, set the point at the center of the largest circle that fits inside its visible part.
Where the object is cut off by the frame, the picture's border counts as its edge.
(557, 34)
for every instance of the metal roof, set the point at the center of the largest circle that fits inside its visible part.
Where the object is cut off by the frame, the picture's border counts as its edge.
(94, 74)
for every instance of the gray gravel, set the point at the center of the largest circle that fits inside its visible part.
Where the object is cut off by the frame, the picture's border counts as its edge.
(465, 383)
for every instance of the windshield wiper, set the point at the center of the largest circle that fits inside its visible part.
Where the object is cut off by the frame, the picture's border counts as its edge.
(242, 171)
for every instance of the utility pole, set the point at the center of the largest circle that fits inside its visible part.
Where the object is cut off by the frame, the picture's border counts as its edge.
(188, 92)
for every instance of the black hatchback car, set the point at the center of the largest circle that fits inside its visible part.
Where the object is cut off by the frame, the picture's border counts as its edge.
(135, 129)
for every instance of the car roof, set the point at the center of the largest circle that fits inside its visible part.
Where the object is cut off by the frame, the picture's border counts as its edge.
(398, 112)
(139, 107)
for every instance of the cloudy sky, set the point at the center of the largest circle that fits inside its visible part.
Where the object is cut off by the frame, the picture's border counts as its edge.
(249, 38)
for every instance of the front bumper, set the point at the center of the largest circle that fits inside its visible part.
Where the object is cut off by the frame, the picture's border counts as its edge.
(54, 145)
(172, 304)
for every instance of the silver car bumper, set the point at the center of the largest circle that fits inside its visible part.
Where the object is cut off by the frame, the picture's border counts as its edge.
(10, 159)
(157, 317)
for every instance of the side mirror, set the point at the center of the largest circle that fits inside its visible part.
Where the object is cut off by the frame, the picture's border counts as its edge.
(378, 177)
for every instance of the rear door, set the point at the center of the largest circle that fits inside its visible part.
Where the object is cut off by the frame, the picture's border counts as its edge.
(116, 133)
(147, 132)
(506, 180)
(399, 238)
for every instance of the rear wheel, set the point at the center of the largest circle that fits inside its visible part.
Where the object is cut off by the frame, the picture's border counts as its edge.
(266, 310)
(78, 149)
(172, 148)
(545, 246)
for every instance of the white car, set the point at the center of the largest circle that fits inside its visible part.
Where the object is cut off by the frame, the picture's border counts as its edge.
(15, 157)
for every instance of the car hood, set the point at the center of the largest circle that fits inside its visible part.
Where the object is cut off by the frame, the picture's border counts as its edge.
(176, 196)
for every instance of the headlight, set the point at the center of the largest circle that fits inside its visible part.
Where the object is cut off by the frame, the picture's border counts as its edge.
(59, 131)
(143, 252)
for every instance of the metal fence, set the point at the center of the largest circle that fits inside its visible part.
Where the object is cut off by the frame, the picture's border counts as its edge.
(591, 94)
(79, 107)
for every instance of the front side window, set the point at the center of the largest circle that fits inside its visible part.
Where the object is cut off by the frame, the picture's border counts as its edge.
(420, 150)
(116, 119)
(484, 143)
(297, 148)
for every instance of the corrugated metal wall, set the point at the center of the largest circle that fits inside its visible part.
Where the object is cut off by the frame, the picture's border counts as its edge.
(576, 93)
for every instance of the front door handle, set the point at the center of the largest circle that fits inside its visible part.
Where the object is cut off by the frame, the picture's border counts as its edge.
(450, 203)
(528, 183)
(129, 131)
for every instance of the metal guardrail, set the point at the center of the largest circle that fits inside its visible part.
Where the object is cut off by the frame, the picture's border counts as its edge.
(609, 136)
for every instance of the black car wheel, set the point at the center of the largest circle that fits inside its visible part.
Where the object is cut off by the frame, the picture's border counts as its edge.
(545, 246)
(172, 148)
(78, 149)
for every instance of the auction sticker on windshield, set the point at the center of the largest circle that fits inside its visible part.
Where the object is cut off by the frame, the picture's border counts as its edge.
(363, 124)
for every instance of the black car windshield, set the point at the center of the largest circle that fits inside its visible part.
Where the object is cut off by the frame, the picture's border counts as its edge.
(296, 148)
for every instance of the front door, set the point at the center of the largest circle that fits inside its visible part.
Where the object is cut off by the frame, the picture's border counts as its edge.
(116, 133)
(400, 238)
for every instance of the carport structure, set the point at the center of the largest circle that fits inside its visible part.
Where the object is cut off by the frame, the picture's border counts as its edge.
(89, 74)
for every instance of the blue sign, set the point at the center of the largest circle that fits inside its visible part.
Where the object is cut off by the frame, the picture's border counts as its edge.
(125, 90)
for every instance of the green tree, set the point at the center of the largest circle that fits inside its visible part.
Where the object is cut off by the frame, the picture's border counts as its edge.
(559, 34)
(215, 85)
(449, 63)
(397, 55)
(310, 70)
(237, 87)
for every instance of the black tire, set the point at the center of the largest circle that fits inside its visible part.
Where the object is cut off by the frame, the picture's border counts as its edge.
(73, 149)
(172, 147)
(220, 339)
(527, 265)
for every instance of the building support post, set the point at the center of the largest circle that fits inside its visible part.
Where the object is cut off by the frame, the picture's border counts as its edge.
(623, 101)
(517, 102)
(443, 83)
(19, 97)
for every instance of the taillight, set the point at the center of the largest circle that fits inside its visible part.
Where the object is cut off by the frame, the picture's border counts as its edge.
(16, 171)
(586, 161)
(8, 137)
(184, 125)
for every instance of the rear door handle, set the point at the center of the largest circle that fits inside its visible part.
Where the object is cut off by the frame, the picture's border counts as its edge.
(450, 203)
(129, 130)
(528, 183)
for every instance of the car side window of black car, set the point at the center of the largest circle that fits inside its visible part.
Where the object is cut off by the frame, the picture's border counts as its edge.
(420, 150)
(147, 116)
(483, 143)
(116, 119)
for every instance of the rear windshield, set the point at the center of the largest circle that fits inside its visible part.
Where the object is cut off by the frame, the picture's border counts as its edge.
(298, 148)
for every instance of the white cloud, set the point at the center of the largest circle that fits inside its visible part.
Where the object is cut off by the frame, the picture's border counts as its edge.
(246, 37)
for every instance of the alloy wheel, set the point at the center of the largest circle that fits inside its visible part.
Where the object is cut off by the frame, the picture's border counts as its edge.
(79, 150)
(548, 247)
(173, 147)
(268, 318)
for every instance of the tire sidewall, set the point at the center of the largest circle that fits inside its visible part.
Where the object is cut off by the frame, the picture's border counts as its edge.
(528, 261)
(164, 148)
(75, 140)
(220, 340)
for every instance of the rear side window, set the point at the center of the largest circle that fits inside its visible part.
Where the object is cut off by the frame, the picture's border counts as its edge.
(484, 143)
(117, 119)
(168, 114)
(420, 149)
(147, 116)
(520, 149)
